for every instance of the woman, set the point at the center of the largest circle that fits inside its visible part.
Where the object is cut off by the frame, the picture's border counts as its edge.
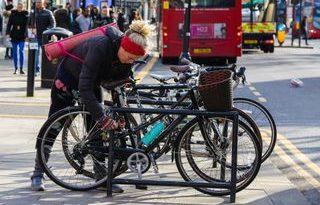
(6, 41)
(106, 58)
(102, 19)
(17, 31)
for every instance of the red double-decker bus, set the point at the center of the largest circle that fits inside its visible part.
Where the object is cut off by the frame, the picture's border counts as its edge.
(215, 29)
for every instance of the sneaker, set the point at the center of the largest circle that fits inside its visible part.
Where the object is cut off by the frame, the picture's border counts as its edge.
(37, 184)
(21, 72)
(115, 188)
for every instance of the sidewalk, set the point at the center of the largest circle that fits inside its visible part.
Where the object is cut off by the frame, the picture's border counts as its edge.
(18, 135)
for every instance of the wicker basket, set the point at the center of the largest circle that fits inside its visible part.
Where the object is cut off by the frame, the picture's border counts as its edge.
(216, 90)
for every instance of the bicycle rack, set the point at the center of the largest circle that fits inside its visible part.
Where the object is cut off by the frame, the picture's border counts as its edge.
(231, 185)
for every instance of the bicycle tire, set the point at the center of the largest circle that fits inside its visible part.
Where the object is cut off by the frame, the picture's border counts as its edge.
(241, 184)
(48, 168)
(268, 127)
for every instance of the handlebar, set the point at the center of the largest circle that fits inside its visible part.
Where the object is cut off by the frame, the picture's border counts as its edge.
(189, 69)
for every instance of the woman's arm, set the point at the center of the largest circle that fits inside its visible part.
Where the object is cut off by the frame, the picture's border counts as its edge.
(88, 80)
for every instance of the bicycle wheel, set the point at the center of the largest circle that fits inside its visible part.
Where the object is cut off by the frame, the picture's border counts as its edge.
(264, 121)
(201, 156)
(71, 156)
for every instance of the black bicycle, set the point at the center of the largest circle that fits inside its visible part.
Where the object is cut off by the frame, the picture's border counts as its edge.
(186, 75)
(202, 149)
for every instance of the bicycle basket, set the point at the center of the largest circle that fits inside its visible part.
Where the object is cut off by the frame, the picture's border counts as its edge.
(216, 91)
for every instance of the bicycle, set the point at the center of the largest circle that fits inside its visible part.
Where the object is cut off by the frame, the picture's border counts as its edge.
(186, 75)
(92, 148)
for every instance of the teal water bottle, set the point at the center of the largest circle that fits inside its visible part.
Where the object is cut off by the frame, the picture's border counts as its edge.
(153, 133)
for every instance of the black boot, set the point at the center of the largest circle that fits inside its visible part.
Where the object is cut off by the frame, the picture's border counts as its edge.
(15, 71)
(21, 71)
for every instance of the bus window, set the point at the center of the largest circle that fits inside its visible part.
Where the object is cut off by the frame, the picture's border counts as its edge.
(213, 3)
(176, 4)
(203, 3)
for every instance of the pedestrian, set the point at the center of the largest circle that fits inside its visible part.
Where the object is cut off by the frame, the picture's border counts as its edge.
(121, 21)
(84, 20)
(75, 28)
(6, 41)
(17, 31)
(303, 29)
(112, 17)
(94, 12)
(106, 58)
(132, 16)
(102, 18)
(138, 16)
(44, 20)
(70, 15)
(62, 18)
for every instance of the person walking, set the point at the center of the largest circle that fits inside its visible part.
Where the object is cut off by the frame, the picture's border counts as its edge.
(106, 58)
(44, 20)
(84, 20)
(75, 28)
(121, 21)
(62, 18)
(17, 31)
(303, 29)
(70, 15)
(102, 18)
(6, 41)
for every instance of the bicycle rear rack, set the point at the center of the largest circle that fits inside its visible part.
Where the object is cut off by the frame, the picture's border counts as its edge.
(231, 185)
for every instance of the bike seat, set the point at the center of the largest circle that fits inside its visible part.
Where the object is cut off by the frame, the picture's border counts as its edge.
(110, 85)
(180, 68)
(162, 78)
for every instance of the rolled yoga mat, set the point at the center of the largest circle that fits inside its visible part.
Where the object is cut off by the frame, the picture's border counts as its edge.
(60, 48)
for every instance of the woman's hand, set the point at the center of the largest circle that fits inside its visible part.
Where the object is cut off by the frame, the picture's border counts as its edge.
(106, 123)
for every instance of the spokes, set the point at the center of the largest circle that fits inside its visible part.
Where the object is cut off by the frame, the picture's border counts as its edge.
(75, 162)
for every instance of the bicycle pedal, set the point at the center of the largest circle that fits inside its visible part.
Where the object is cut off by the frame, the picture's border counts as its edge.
(142, 187)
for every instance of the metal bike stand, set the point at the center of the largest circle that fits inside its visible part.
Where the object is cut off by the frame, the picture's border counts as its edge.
(234, 115)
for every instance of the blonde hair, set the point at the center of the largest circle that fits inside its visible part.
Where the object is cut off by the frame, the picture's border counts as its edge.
(139, 32)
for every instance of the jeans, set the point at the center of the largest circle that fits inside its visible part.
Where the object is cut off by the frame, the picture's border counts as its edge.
(18, 47)
(38, 56)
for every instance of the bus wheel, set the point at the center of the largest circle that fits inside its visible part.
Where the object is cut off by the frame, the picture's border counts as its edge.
(165, 60)
(271, 49)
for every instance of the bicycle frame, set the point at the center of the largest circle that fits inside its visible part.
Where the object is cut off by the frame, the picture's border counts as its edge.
(192, 109)
(162, 113)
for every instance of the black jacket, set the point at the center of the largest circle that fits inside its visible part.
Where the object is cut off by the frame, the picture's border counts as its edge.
(62, 18)
(44, 21)
(101, 65)
(17, 25)
(101, 20)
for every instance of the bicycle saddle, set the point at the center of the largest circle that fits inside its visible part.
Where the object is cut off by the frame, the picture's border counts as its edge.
(110, 85)
(180, 68)
(162, 78)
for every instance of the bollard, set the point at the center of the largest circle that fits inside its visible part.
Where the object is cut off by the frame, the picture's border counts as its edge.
(32, 49)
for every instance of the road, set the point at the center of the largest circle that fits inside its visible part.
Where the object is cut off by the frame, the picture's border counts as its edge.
(295, 109)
